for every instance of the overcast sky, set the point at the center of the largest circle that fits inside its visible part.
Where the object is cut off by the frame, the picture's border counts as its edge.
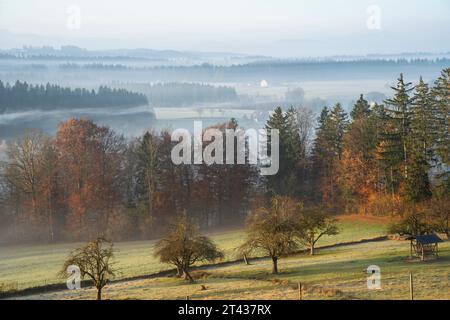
(266, 27)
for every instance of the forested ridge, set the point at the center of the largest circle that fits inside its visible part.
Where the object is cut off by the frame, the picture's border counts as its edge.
(22, 96)
(295, 70)
(270, 64)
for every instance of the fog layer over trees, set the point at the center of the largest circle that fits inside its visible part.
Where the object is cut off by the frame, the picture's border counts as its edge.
(88, 181)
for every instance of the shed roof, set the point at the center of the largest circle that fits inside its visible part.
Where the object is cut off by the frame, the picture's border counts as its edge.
(428, 239)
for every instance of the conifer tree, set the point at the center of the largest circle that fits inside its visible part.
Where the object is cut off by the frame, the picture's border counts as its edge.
(393, 145)
(360, 109)
(293, 133)
(339, 123)
(328, 148)
(441, 97)
(420, 142)
(441, 94)
(283, 183)
(423, 124)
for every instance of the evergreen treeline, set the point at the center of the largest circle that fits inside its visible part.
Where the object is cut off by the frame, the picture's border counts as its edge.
(272, 70)
(295, 65)
(95, 66)
(377, 159)
(383, 155)
(23, 96)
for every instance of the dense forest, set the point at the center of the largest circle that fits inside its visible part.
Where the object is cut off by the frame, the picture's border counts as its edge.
(22, 96)
(89, 180)
(384, 159)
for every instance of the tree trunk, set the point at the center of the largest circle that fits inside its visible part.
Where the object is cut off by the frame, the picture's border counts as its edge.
(246, 260)
(99, 294)
(392, 183)
(405, 155)
(187, 276)
(447, 229)
(50, 220)
(312, 242)
(179, 272)
(275, 265)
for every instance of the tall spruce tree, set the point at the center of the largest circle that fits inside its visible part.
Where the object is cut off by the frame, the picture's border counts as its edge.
(385, 164)
(393, 145)
(441, 95)
(148, 165)
(293, 133)
(361, 109)
(423, 122)
(339, 123)
(328, 148)
(420, 143)
(284, 182)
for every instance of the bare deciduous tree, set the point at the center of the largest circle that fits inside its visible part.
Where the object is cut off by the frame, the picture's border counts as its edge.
(94, 261)
(24, 164)
(312, 225)
(272, 229)
(184, 246)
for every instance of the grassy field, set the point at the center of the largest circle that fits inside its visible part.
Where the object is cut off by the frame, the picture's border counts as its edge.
(334, 273)
(28, 266)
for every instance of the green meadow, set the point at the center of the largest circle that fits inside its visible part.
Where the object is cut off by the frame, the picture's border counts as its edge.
(26, 266)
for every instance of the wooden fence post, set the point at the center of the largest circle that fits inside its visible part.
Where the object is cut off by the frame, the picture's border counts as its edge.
(300, 293)
(411, 287)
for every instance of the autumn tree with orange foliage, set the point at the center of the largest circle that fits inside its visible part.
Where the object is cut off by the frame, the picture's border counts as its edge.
(89, 161)
(358, 165)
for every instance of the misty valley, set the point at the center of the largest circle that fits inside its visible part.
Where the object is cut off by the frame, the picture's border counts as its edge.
(247, 91)
(222, 151)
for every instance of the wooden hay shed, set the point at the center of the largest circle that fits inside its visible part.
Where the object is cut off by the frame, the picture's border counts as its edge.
(425, 245)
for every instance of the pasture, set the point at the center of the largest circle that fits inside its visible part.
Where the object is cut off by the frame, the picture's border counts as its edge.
(27, 266)
(334, 273)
